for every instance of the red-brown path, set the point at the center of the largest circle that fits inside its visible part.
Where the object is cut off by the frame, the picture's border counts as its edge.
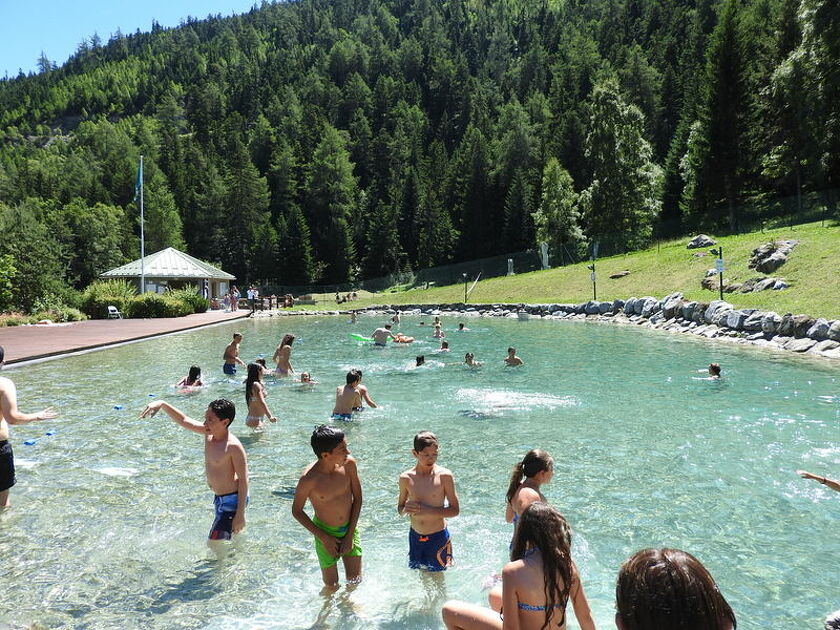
(24, 343)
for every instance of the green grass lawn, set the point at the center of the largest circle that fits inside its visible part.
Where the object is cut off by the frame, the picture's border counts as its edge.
(813, 272)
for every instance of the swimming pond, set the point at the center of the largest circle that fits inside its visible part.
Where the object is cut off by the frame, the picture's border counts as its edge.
(112, 512)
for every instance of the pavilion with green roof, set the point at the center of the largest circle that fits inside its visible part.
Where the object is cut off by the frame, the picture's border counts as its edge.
(173, 269)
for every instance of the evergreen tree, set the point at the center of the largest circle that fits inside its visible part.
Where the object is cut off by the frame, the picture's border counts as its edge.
(557, 221)
(517, 232)
(331, 204)
(620, 204)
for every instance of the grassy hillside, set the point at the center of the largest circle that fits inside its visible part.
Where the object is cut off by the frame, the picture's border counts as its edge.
(813, 271)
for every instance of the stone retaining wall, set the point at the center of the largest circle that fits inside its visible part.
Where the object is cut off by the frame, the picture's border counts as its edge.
(716, 319)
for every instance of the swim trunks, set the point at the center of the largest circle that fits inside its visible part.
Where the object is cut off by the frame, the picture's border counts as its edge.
(229, 368)
(429, 552)
(7, 466)
(344, 417)
(376, 343)
(325, 560)
(225, 505)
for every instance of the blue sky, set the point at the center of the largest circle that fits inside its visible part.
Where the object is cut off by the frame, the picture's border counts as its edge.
(58, 26)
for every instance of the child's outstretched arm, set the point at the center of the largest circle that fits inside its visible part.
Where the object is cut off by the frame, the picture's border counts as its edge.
(173, 412)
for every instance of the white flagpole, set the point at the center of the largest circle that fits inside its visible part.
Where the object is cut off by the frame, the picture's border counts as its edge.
(142, 235)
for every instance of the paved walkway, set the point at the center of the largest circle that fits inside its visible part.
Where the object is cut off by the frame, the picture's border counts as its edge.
(24, 343)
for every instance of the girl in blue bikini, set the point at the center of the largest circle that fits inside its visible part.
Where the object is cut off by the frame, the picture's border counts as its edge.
(537, 583)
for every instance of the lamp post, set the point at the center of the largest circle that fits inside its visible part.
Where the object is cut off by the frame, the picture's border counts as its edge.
(719, 266)
(592, 277)
(464, 275)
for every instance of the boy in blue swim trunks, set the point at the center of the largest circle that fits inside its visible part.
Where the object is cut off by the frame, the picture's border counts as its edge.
(331, 484)
(224, 461)
(231, 356)
(428, 497)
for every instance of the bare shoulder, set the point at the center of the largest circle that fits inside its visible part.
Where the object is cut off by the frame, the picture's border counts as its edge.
(444, 473)
(234, 443)
(407, 474)
(350, 466)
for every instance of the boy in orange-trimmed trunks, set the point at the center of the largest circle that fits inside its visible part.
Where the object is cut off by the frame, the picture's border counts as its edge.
(427, 496)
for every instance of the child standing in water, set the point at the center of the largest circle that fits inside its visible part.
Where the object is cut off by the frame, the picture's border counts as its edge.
(193, 379)
(331, 484)
(538, 468)
(225, 463)
(255, 398)
(428, 497)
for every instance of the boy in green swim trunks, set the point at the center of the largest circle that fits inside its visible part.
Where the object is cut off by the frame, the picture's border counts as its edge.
(332, 485)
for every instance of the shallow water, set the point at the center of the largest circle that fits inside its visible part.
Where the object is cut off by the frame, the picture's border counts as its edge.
(111, 512)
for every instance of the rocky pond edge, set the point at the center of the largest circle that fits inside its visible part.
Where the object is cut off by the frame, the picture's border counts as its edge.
(717, 319)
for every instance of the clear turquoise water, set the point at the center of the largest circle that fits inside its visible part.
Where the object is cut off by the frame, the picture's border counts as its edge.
(112, 512)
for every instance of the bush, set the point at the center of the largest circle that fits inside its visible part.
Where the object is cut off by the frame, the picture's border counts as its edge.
(15, 319)
(62, 314)
(190, 295)
(97, 297)
(158, 305)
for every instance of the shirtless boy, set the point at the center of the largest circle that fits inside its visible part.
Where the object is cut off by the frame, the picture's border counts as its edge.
(347, 398)
(511, 359)
(231, 356)
(10, 414)
(427, 496)
(331, 484)
(225, 463)
(382, 334)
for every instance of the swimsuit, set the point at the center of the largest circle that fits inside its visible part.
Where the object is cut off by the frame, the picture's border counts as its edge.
(7, 466)
(344, 417)
(225, 505)
(376, 343)
(249, 418)
(325, 559)
(282, 371)
(429, 552)
(229, 368)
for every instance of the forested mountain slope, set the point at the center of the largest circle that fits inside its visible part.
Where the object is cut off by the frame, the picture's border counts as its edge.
(322, 140)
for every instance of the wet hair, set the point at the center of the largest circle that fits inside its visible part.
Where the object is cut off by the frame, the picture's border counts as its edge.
(223, 409)
(2, 354)
(444, 344)
(714, 369)
(460, 324)
(261, 362)
(424, 439)
(388, 326)
(544, 528)
(239, 335)
(192, 377)
(254, 376)
(469, 355)
(325, 438)
(287, 340)
(669, 589)
(511, 350)
(535, 461)
(353, 376)
(421, 359)
(307, 375)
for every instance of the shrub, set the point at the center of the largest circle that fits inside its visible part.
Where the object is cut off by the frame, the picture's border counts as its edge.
(158, 305)
(190, 295)
(15, 319)
(97, 297)
(60, 314)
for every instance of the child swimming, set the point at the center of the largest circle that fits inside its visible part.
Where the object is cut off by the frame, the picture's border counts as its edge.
(193, 379)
